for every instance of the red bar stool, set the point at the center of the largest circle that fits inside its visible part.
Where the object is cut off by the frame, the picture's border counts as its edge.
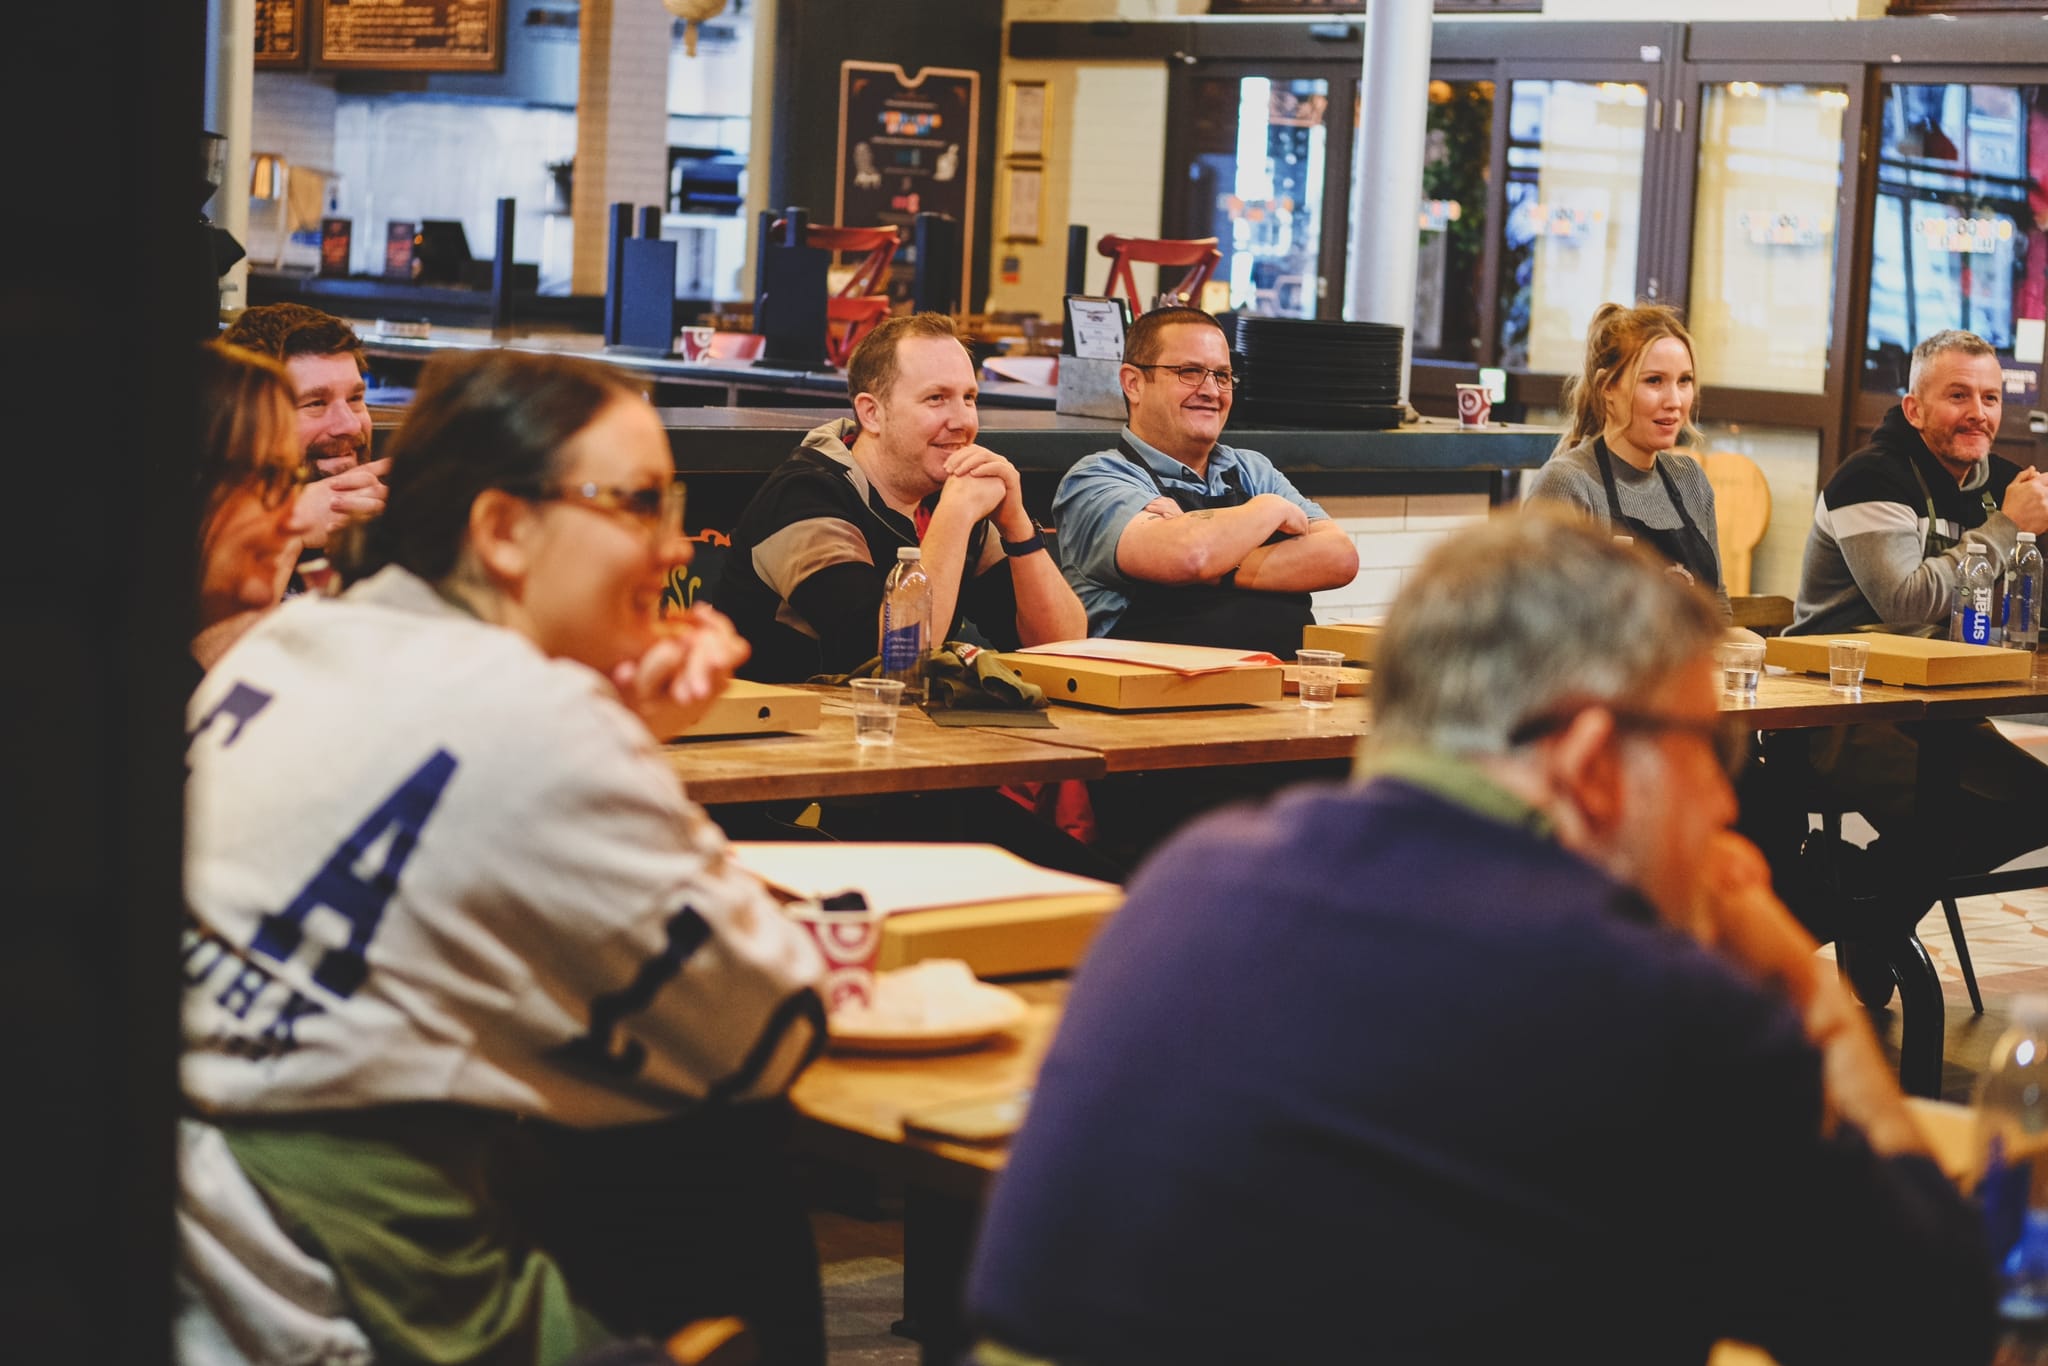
(1198, 255)
(863, 300)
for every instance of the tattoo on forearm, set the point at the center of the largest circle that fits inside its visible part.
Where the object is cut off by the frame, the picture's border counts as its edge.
(1203, 514)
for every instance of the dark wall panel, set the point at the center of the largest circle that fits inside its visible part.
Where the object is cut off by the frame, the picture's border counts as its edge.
(812, 37)
(99, 307)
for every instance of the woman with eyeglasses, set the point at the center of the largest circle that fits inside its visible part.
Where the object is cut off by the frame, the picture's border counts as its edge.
(485, 1032)
(249, 523)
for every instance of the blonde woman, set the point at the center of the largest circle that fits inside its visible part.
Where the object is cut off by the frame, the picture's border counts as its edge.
(1629, 407)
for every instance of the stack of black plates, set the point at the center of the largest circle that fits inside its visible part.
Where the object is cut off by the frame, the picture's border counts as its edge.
(1298, 372)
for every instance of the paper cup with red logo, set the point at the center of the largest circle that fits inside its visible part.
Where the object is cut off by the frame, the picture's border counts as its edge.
(694, 343)
(1475, 405)
(848, 936)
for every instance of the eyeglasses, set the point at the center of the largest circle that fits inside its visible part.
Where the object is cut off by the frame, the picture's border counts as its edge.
(657, 507)
(1192, 375)
(1727, 736)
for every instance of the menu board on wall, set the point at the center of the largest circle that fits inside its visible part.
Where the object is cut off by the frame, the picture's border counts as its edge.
(412, 35)
(908, 145)
(281, 33)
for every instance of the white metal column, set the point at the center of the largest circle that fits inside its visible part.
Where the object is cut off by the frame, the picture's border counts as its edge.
(230, 97)
(1386, 190)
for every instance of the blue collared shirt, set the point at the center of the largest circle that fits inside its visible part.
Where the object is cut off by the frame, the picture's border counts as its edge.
(1102, 493)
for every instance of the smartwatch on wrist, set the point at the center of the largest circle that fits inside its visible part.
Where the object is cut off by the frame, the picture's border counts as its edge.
(1030, 545)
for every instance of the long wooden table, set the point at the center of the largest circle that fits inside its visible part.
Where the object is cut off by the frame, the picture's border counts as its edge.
(827, 762)
(1210, 737)
(1087, 743)
(851, 1109)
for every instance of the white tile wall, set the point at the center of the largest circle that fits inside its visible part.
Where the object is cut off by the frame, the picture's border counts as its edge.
(1393, 534)
(411, 159)
(291, 114)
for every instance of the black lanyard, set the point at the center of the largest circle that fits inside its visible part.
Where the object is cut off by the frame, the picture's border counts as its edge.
(1934, 543)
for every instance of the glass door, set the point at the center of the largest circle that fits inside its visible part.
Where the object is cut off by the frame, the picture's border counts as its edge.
(1571, 214)
(1958, 236)
(1256, 168)
(1768, 202)
(1959, 230)
(1761, 245)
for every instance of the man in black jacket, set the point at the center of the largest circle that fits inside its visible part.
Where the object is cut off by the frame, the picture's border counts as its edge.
(1886, 553)
(803, 581)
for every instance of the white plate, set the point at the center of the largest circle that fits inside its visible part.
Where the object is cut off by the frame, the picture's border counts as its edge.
(1005, 1009)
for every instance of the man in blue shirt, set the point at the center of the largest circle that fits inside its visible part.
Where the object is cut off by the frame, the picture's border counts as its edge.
(1173, 536)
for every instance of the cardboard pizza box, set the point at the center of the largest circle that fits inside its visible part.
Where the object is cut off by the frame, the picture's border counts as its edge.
(1038, 934)
(1909, 660)
(757, 708)
(1117, 686)
(1356, 639)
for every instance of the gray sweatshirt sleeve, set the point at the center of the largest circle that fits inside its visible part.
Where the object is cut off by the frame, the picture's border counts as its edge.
(1881, 543)
(1564, 479)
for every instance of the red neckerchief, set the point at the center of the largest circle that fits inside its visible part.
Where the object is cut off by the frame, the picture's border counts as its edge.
(921, 516)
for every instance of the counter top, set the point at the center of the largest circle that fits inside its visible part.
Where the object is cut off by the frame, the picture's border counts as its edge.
(1017, 420)
(730, 375)
(756, 440)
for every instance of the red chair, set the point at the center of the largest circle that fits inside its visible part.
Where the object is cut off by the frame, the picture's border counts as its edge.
(1199, 255)
(862, 301)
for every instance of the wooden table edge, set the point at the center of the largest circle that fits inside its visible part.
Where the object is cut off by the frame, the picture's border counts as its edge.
(854, 782)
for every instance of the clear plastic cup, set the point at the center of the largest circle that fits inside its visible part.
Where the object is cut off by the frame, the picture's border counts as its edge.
(1846, 660)
(875, 704)
(1317, 676)
(1742, 662)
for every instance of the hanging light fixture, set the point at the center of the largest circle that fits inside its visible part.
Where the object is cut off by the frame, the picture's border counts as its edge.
(692, 12)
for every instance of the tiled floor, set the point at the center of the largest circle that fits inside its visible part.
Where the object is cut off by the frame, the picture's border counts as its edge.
(2008, 940)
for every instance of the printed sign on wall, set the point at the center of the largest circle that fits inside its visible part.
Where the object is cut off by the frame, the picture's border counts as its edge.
(907, 145)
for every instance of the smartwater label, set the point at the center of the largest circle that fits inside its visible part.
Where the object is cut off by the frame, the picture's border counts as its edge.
(901, 649)
(1976, 626)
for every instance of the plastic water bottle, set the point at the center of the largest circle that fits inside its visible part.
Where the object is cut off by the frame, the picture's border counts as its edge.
(907, 622)
(1975, 621)
(2012, 1163)
(2023, 595)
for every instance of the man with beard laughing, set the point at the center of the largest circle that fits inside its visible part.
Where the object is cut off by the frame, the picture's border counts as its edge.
(324, 359)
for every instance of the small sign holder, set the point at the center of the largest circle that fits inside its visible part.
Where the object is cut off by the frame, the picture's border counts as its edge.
(1091, 357)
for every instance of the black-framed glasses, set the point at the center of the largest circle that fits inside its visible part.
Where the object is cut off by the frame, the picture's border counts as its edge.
(656, 507)
(1727, 735)
(1192, 375)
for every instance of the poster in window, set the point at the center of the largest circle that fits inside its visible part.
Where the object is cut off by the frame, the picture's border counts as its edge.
(908, 145)
(411, 35)
(281, 33)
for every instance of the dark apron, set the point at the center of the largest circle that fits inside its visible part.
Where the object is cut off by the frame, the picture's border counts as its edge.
(1683, 545)
(1217, 614)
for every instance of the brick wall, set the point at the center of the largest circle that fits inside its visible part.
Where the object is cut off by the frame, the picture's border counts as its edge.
(621, 123)
(1392, 534)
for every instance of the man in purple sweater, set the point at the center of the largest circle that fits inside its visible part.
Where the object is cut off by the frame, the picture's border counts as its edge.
(1505, 1049)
